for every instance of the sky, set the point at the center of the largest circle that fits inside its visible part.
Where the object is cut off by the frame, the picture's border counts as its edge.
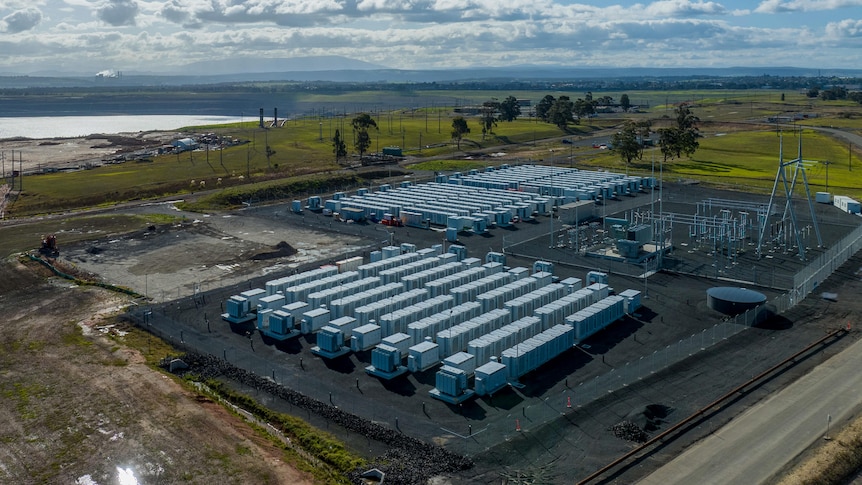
(161, 35)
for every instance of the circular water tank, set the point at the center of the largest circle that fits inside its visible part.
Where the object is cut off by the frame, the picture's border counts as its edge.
(733, 301)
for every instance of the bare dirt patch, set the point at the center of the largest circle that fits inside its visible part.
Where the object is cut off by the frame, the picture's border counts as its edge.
(77, 405)
(204, 253)
(70, 153)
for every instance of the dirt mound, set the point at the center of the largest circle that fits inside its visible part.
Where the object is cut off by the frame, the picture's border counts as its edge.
(282, 250)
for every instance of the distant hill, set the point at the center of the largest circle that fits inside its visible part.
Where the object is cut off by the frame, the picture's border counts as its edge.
(258, 65)
(344, 70)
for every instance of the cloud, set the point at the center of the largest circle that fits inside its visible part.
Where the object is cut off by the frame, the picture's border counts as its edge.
(784, 6)
(684, 8)
(118, 12)
(845, 29)
(21, 20)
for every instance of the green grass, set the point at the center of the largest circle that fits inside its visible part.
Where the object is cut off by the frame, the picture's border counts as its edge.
(750, 160)
(302, 147)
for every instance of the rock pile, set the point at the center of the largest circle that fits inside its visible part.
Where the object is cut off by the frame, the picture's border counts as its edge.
(629, 431)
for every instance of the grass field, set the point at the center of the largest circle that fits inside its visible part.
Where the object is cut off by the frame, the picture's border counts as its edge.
(741, 155)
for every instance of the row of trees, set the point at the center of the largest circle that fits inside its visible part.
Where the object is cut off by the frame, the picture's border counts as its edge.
(562, 111)
(674, 141)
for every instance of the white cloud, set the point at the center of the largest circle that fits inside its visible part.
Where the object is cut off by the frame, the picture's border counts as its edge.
(783, 6)
(118, 12)
(21, 20)
(684, 8)
(845, 29)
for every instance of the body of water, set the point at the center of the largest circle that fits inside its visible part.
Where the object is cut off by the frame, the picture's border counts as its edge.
(75, 126)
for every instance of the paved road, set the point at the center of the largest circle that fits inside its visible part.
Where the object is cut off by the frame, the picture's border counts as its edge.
(757, 444)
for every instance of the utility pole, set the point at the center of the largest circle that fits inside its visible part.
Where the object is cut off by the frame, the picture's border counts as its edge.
(827, 163)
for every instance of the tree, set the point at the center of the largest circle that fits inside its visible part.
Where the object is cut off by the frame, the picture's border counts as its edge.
(625, 103)
(833, 93)
(560, 113)
(681, 139)
(584, 108)
(813, 92)
(489, 116)
(459, 129)
(339, 148)
(361, 124)
(628, 142)
(544, 107)
(510, 109)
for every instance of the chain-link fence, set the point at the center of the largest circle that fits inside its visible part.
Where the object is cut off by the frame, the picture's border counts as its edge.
(811, 276)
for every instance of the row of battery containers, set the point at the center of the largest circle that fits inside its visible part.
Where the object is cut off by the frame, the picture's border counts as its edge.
(480, 351)
(452, 328)
(367, 300)
(538, 350)
(490, 373)
(597, 316)
(492, 376)
(308, 285)
(238, 306)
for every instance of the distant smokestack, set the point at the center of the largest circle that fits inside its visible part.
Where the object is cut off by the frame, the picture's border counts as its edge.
(275, 117)
(261, 117)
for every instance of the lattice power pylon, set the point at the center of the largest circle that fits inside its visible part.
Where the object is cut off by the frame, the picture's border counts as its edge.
(789, 219)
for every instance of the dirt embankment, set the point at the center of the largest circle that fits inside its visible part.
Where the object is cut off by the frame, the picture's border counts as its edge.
(79, 406)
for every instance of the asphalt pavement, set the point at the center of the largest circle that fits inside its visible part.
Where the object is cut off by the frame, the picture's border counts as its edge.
(759, 443)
